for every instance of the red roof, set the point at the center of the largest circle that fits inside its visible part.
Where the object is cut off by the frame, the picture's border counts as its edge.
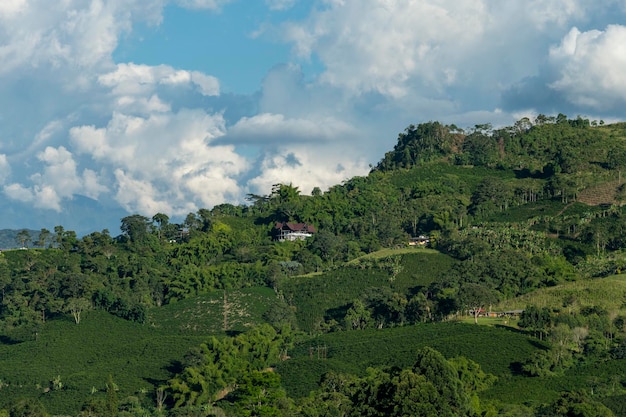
(296, 227)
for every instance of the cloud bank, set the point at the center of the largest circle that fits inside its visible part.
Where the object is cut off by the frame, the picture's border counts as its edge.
(149, 138)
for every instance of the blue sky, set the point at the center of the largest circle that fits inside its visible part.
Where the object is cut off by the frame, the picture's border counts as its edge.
(228, 43)
(114, 107)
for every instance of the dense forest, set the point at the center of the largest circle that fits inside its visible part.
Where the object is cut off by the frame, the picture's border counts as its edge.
(458, 244)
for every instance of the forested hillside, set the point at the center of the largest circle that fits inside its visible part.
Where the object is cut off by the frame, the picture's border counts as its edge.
(217, 316)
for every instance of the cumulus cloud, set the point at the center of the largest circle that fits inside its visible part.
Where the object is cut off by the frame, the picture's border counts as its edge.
(165, 160)
(306, 168)
(207, 85)
(138, 89)
(75, 33)
(153, 153)
(52, 54)
(19, 192)
(582, 73)
(59, 180)
(138, 195)
(590, 67)
(468, 53)
(133, 79)
(275, 128)
(165, 138)
(378, 45)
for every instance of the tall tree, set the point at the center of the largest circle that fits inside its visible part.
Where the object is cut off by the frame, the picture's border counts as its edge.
(23, 238)
(162, 220)
(76, 306)
(536, 319)
(479, 149)
(44, 238)
(476, 298)
(135, 227)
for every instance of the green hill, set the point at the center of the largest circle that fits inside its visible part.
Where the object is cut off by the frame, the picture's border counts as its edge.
(83, 356)
(357, 350)
(608, 293)
(140, 357)
(515, 215)
(319, 298)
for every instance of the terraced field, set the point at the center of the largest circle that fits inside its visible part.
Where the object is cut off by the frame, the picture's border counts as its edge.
(605, 193)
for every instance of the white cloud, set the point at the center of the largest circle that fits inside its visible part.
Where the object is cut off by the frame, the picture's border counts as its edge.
(47, 132)
(559, 12)
(11, 7)
(590, 67)
(19, 192)
(164, 138)
(39, 197)
(137, 195)
(133, 79)
(74, 34)
(59, 180)
(275, 128)
(307, 168)
(5, 168)
(436, 49)
(380, 45)
(208, 85)
(142, 105)
(46, 197)
(165, 161)
(148, 156)
(91, 186)
(136, 87)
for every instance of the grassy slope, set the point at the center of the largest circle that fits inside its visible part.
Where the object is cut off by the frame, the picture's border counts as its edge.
(139, 357)
(609, 293)
(499, 350)
(204, 314)
(420, 268)
(495, 349)
(84, 355)
(329, 295)
(545, 389)
(444, 173)
(314, 296)
(384, 253)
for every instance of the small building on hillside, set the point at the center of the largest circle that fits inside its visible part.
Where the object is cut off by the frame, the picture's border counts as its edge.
(293, 231)
(421, 240)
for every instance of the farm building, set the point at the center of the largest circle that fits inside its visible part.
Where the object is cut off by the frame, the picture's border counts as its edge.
(293, 231)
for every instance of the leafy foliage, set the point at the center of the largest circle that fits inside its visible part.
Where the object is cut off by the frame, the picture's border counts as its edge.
(502, 210)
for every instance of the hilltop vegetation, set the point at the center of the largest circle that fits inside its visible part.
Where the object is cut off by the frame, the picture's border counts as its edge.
(16, 238)
(214, 316)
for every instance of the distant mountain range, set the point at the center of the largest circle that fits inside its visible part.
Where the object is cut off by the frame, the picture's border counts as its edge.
(82, 215)
(8, 238)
